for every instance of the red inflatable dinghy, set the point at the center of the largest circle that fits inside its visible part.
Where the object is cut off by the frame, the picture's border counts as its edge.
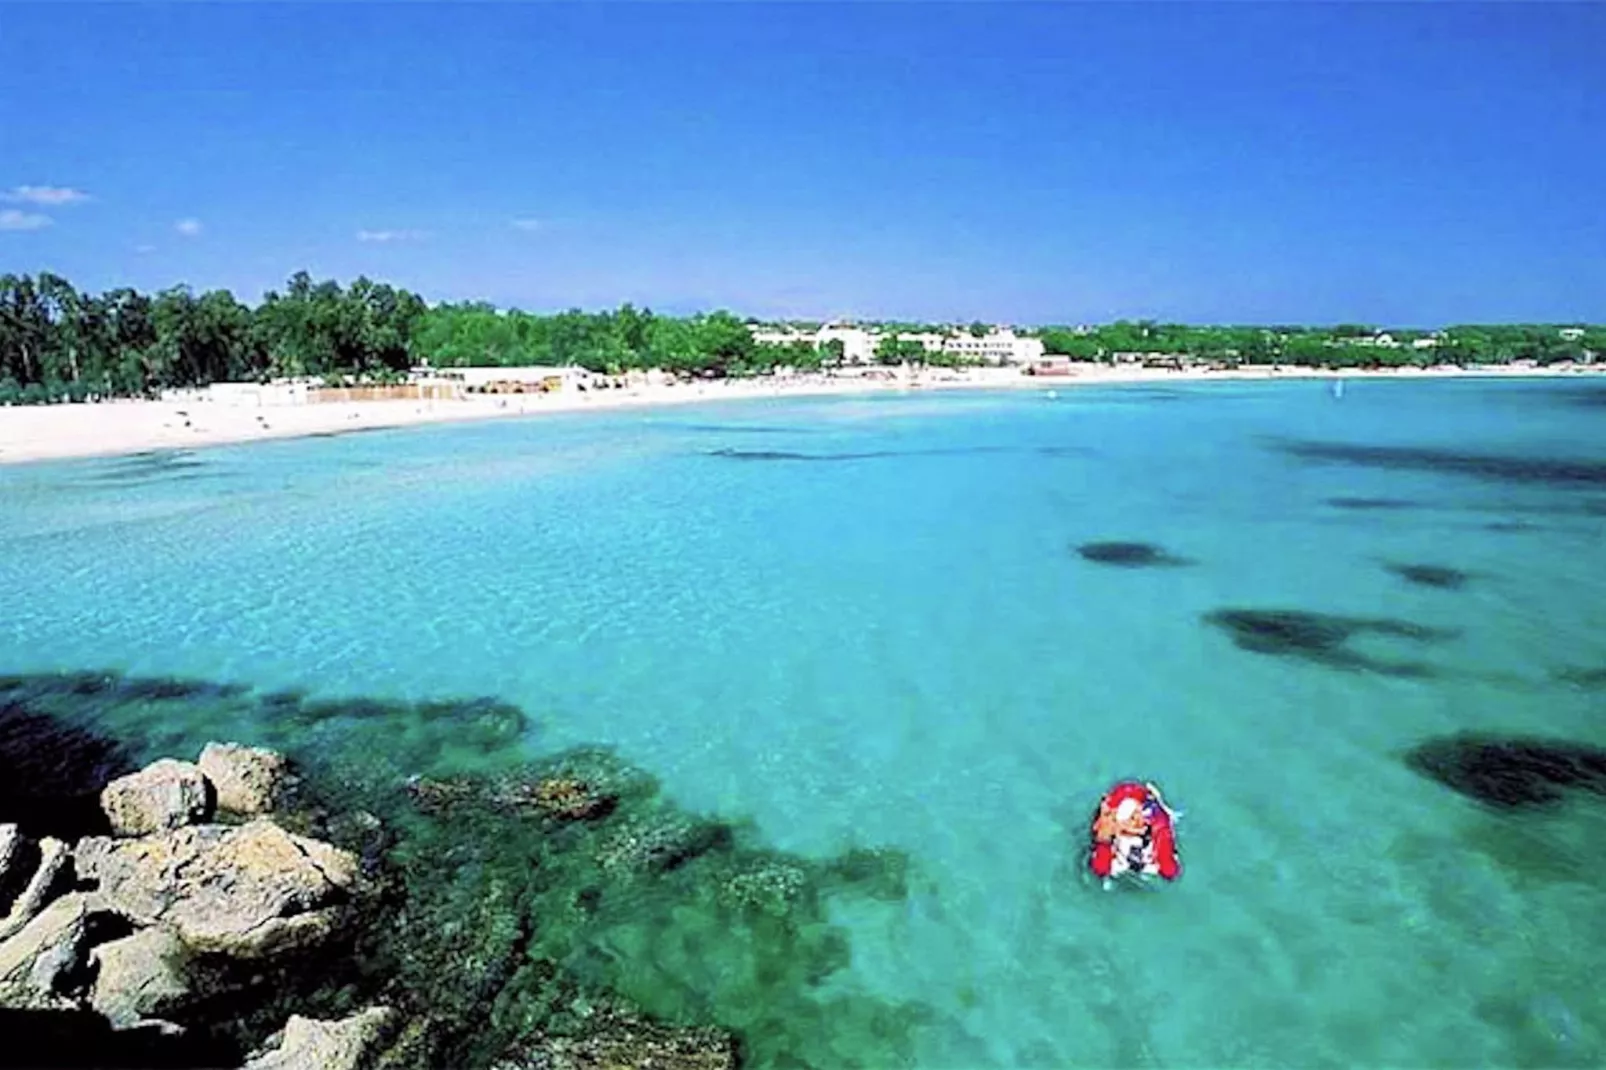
(1134, 833)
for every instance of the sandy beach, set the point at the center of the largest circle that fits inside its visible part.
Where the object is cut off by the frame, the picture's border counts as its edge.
(58, 432)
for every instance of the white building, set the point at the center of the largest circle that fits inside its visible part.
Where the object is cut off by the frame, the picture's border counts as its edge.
(998, 346)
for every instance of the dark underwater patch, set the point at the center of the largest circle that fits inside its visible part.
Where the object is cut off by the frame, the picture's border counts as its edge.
(517, 899)
(1373, 504)
(1566, 473)
(51, 773)
(1591, 396)
(1589, 679)
(151, 466)
(742, 429)
(790, 455)
(1324, 638)
(1130, 555)
(346, 432)
(1510, 772)
(1439, 576)
(734, 454)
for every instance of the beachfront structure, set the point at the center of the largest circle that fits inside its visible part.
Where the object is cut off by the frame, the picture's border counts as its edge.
(1001, 345)
(526, 379)
(998, 346)
(858, 344)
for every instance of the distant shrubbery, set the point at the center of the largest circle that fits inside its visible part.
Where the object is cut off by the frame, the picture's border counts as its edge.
(14, 393)
(1343, 346)
(59, 345)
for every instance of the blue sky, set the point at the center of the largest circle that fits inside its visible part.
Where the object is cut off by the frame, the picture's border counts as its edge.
(1405, 164)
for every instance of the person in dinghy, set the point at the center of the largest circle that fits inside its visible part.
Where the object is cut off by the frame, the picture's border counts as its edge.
(1134, 833)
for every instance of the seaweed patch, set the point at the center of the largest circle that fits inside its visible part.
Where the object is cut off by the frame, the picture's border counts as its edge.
(1373, 504)
(1510, 772)
(1440, 576)
(1324, 638)
(1130, 555)
(1592, 678)
(735, 454)
(1558, 472)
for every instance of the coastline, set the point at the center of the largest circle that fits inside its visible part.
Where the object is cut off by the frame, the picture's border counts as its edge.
(31, 434)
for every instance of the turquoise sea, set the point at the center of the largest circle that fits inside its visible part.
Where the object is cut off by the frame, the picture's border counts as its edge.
(865, 622)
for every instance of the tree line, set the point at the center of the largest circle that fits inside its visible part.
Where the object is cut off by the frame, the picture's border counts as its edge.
(1344, 345)
(58, 343)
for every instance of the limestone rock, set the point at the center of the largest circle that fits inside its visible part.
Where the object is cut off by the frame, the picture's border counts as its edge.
(48, 878)
(34, 962)
(247, 891)
(310, 1044)
(14, 865)
(140, 977)
(164, 795)
(249, 780)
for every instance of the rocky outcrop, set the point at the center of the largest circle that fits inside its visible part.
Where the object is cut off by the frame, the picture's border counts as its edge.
(310, 1044)
(35, 963)
(218, 908)
(50, 874)
(13, 871)
(165, 795)
(156, 923)
(247, 891)
(249, 780)
(140, 977)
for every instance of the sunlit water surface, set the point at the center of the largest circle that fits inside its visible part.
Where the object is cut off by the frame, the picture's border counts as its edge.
(864, 622)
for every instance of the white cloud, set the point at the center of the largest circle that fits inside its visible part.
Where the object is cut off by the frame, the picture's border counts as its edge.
(144, 248)
(188, 227)
(11, 219)
(47, 195)
(389, 235)
(528, 224)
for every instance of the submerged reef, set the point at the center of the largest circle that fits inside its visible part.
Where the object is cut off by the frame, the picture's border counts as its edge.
(1130, 555)
(1511, 772)
(1589, 679)
(792, 455)
(734, 454)
(1323, 638)
(51, 774)
(1373, 504)
(152, 466)
(1441, 576)
(510, 911)
(1557, 472)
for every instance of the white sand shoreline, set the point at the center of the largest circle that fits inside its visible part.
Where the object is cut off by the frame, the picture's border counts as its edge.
(30, 434)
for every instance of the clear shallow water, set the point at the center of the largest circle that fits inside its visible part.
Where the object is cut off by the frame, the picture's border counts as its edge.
(863, 622)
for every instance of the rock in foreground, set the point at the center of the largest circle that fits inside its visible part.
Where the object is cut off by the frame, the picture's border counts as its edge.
(164, 795)
(310, 1044)
(140, 977)
(246, 891)
(35, 960)
(249, 780)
